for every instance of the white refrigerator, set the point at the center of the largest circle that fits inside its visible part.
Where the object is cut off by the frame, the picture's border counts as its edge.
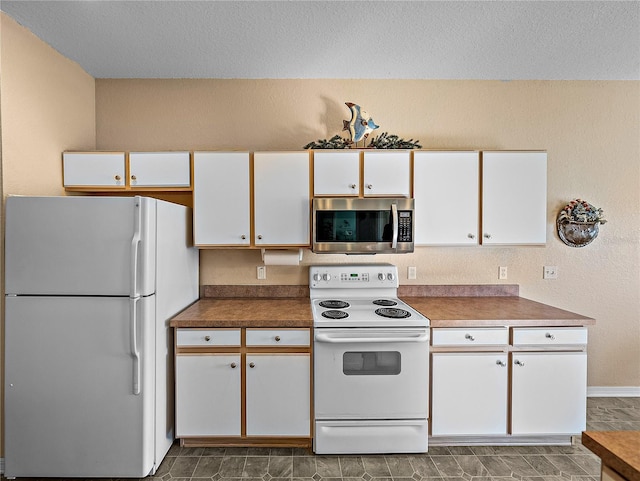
(91, 283)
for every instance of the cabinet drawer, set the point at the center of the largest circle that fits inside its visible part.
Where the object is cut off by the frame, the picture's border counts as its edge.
(208, 337)
(277, 337)
(458, 336)
(549, 336)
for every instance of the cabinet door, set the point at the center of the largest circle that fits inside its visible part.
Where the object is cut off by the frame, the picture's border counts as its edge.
(221, 199)
(514, 197)
(278, 395)
(98, 169)
(281, 198)
(336, 173)
(469, 394)
(159, 169)
(549, 392)
(208, 395)
(446, 189)
(387, 173)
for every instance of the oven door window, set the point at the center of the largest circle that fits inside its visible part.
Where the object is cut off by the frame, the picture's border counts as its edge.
(367, 363)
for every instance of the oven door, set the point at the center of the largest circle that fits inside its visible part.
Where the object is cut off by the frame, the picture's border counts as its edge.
(371, 373)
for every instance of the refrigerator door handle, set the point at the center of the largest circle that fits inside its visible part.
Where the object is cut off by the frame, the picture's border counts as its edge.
(135, 248)
(135, 353)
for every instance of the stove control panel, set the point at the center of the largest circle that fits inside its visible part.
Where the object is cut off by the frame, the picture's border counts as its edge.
(353, 276)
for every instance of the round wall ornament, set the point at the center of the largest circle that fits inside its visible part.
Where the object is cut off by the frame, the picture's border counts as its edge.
(578, 223)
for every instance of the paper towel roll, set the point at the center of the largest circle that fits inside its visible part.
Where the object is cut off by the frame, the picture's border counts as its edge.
(281, 257)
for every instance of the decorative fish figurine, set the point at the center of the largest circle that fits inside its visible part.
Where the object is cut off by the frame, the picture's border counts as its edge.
(361, 123)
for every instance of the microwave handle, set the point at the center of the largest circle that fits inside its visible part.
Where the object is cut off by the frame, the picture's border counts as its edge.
(394, 215)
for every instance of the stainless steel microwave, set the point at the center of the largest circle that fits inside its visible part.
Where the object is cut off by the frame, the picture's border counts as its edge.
(363, 226)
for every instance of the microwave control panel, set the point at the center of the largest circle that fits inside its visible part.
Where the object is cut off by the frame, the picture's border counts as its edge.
(405, 223)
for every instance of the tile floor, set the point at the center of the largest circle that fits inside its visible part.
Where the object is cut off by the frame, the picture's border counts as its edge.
(462, 463)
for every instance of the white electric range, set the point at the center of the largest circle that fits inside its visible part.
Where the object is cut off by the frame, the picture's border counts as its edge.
(371, 362)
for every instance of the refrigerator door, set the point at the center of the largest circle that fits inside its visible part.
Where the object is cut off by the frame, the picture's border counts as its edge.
(80, 246)
(73, 368)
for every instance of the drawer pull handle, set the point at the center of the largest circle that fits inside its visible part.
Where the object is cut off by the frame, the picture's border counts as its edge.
(243, 237)
(470, 337)
(133, 177)
(252, 365)
(501, 363)
(207, 338)
(277, 338)
(353, 186)
(518, 363)
(548, 335)
(233, 365)
(471, 236)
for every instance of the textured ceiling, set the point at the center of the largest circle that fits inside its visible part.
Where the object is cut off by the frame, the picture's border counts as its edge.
(572, 40)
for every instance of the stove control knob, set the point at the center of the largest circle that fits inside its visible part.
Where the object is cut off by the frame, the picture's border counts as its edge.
(317, 277)
(390, 276)
(326, 277)
(381, 276)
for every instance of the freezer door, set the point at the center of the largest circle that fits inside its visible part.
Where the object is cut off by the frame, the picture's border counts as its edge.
(70, 383)
(80, 246)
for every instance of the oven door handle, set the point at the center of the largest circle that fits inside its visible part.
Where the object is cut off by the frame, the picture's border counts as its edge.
(394, 215)
(424, 337)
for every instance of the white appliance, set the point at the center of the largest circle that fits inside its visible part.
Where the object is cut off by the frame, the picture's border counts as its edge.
(371, 363)
(90, 284)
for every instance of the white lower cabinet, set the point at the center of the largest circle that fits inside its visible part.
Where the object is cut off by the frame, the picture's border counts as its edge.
(243, 387)
(208, 395)
(549, 393)
(469, 394)
(278, 395)
(536, 386)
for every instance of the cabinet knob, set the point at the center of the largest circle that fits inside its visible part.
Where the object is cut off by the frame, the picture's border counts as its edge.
(233, 365)
(548, 335)
(469, 337)
(501, 363)
(259, 237)
(117, 177)
(207, 338)
(133, 177)
(277, 338)
(243, 237)
(252, 365)
(369, 186)
(518, 363)
(487, 236)
(353, 186)
(471, 236)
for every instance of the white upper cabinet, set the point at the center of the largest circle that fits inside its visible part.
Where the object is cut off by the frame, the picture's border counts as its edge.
(336, 172)
(221, 198)
(159, 169)
(514, 198)
(387, 173)
(96, 169)
(281, 198)
(446, 189)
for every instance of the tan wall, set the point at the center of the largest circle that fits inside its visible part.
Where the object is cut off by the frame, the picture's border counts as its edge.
(47, 105)
(590, 130)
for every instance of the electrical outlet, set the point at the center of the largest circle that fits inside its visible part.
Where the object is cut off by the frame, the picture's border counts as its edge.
(550, 272)
(502, 272)
(411, 272)
(262, 272)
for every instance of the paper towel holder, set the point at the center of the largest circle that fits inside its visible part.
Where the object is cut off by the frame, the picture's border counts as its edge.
(262, 251)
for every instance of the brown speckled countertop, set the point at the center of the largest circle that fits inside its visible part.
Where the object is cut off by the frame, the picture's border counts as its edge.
(246, 312)
(619, 450)
(493, 311)
(445, 306)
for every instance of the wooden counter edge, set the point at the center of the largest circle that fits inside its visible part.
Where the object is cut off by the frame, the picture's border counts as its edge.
(594, 441)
